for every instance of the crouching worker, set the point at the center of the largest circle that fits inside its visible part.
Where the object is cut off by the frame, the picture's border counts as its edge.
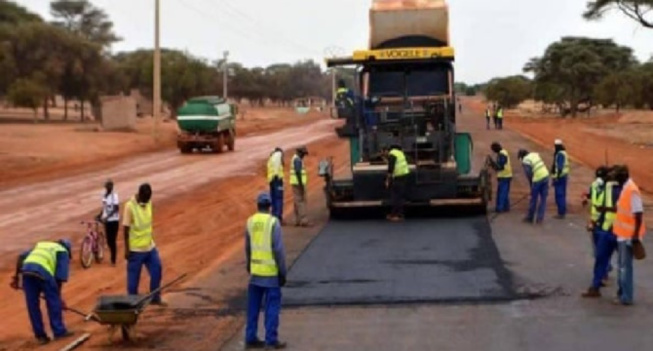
(266, 265)
(44, 269)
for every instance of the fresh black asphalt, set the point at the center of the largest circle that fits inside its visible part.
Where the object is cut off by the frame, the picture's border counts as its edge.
(419, 260)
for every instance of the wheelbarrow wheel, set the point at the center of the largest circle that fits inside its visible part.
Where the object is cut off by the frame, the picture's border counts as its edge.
(127, 332)
(86, 253)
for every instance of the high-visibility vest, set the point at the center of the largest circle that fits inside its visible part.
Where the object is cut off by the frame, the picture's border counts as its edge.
(274, 171)
(597, 196)
(140, 228)
(401, 164)
(565, 167)
(624, 223)
(259, 228)
(500, 113)
(44, 254)
(537, 165)
(293, 174)
(608, 201)
(341, 93)
(507, 168)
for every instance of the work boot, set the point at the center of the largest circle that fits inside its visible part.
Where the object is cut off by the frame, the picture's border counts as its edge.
(279, 345)
(64, 335)
(159, 303)
(560, 217)
(256, 344)
(592, 293)
(42, 340)
(527, 220)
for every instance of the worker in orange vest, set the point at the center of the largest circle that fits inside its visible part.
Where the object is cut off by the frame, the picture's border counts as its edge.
(629, 228)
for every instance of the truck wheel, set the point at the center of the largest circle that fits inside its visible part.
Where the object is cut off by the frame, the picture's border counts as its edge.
(231, 141)
(219, 144)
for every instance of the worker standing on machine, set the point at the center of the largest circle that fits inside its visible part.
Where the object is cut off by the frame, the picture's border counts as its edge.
(275, 180)
(504, 177)
(560, 173)
(344, 95)
(538, 178)
(397, 181)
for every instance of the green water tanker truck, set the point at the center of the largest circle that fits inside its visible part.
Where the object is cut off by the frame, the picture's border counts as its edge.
(206, 122)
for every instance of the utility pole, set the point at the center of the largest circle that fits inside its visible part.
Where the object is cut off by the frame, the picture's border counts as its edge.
(225, 74)
(156, 106)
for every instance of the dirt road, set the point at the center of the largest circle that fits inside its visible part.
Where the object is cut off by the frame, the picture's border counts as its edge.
(196, 228)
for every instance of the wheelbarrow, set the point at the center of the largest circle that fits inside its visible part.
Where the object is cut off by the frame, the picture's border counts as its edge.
(122, 311)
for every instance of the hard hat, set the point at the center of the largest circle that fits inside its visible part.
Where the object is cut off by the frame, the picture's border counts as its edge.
(558, 142)
(264, 199)
(68, 245)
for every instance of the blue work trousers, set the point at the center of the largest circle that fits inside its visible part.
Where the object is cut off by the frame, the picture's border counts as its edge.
(539, 191)
(33, 287)
(560, 186)
(276, 194)
(503, 194)
(626, 290)
(152, 263)
(257, 296)
(606, 243)
(500, 123)
(487, 123)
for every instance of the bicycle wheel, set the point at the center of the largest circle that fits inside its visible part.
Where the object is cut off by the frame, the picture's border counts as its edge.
(99, 248)
(86, 252)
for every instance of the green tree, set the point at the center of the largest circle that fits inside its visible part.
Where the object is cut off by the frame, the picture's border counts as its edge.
(85, 20)
(11, 13)
(618, 89)
(638, 10)
(570, 69)
(509, 91)
(28, 93)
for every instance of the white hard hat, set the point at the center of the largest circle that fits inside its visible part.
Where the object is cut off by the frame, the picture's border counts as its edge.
(558, 142)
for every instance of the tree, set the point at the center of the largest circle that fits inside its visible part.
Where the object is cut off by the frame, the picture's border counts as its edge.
(637, 10)
(84, 19)
(28, 93)
(510, 91)
(11, 13)
(571, 68)
(618, 89)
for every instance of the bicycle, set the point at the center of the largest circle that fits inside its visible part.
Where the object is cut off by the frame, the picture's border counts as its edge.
(93, 244)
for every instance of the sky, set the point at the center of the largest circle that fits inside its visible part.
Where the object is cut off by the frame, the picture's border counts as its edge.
(491, 38)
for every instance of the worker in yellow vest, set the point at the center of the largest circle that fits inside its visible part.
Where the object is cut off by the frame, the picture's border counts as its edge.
(560, 175)
(596, 195)
(499, 118)
(488, 116)
(266, 265)
(397, 181)
(606, 242)
(275, 180)
(629, 228)
(504, 177)
(44, 269)
(538, 178)
(140, 249)
(298, 181)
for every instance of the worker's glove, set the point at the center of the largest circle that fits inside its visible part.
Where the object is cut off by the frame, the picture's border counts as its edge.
(14, 283)
(282, 280)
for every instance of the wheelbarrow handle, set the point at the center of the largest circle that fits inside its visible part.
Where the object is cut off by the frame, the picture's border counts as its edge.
(148, 296)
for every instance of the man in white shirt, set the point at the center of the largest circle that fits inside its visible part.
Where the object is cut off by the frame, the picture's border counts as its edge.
(110, 216)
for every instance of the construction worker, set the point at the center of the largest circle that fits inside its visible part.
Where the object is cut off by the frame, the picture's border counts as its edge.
(499, 117)
(275, 180)
(488, 115)
(397, 181)
(606, 241)
(629, 228)
(266, 265)
(44, 269)
(596, 196)
(110, 216)
(504, 177)
(344, 95)
(298, 181)
(538, 178)
(560, 174)
(140, 249)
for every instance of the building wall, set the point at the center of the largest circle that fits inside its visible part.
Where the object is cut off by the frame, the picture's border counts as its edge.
(118, 112)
